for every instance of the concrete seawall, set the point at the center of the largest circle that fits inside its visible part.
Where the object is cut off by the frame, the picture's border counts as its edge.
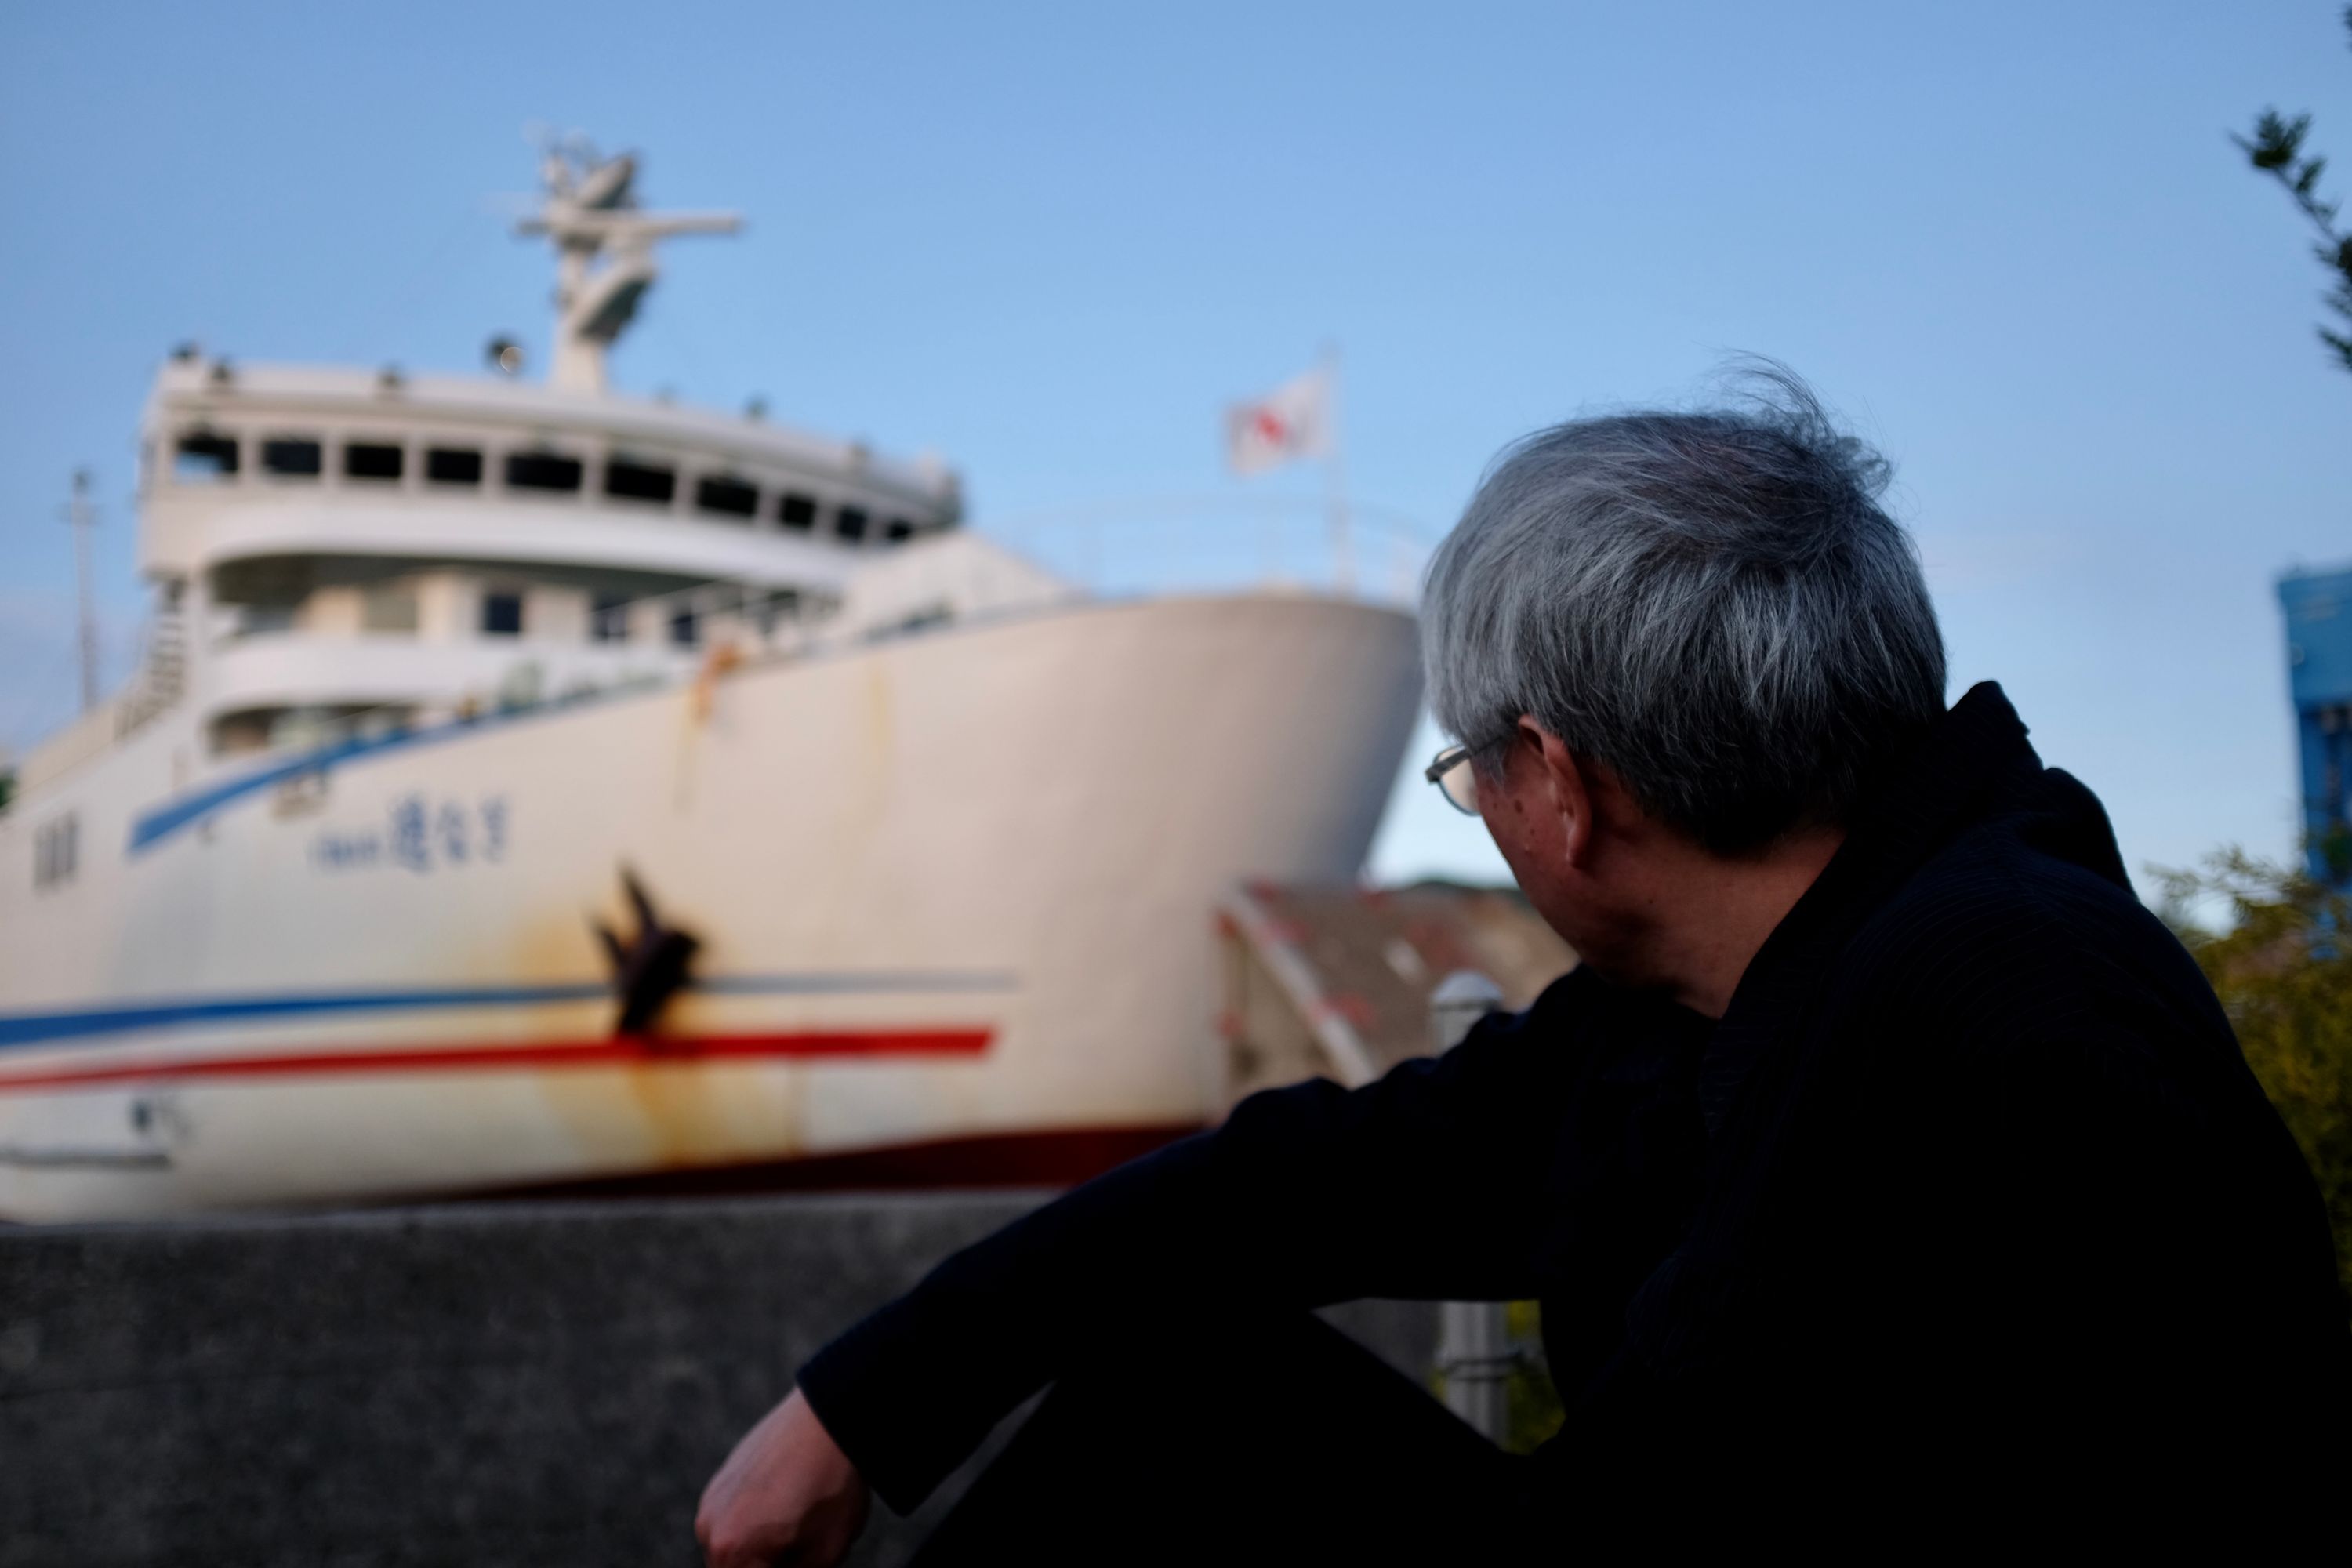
(511, 1385)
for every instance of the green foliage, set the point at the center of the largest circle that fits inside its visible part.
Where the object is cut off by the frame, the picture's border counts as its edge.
(1532, 1407)
(2276, 149)
(2283, 968)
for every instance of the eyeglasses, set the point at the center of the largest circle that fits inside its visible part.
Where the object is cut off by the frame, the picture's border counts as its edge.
(1456, 778)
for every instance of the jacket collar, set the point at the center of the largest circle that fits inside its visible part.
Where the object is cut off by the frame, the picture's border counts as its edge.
(1946, 782)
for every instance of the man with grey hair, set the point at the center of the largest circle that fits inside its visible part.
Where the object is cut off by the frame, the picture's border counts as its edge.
(1883, 1163)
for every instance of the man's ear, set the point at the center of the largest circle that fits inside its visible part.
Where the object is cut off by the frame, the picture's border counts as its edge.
(1569, 783)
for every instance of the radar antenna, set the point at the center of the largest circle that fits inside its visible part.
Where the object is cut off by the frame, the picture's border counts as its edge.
(604, 249)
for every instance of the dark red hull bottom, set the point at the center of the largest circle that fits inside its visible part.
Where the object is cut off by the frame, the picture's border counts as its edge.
(1063, 1158)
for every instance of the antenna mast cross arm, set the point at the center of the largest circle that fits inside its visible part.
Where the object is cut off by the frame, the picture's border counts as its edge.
(604, 255)
(598, 226)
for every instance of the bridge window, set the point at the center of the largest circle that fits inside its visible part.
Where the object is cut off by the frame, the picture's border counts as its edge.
(608, 618)
(850, 522)
(930, 615)
(502, 613)
(640, 481)
(388, 608)
(542, 471)
(372, 460)
(294, 456)
(726, 495)
(684, 629)
(454, 465)
(203, 457)
(773, 609)
(797, 512)
(56, 847)
(898, 529)
(246, 729)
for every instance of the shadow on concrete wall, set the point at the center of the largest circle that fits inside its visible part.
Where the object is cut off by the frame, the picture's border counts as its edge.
(511, 1385)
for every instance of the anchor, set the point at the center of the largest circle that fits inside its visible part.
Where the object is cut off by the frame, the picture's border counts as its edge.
(650, 968)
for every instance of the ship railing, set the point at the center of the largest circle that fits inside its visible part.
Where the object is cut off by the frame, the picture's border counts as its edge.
(162, 677)
(1223, 542)
(649, 643)
(680, 619)
(1175, 544)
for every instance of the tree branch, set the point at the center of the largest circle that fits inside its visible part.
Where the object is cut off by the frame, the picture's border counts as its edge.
(2276, 149)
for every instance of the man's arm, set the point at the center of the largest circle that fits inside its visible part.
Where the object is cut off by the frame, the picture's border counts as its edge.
(1426, 1183)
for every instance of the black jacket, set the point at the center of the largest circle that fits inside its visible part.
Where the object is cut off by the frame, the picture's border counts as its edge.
(1968, 1200)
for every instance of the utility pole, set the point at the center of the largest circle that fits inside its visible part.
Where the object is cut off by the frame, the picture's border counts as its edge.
(1335, 477)
(1473, 1338)
(82, 516)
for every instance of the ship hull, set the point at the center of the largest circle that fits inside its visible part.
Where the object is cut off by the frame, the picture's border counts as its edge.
(952, 888)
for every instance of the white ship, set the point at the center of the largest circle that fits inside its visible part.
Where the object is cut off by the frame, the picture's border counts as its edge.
(931, 840)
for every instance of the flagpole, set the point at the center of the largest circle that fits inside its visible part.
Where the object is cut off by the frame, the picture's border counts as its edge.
(1335, 476)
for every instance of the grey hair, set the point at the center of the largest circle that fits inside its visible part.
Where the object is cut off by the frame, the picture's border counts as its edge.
(1712, 605)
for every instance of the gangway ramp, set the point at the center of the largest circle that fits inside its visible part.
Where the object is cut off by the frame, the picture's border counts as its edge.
(1337, 982)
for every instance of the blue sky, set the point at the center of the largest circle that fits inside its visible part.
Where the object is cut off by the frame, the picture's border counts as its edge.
(2012, 242)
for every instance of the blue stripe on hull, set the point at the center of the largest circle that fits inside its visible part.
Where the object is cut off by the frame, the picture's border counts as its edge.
(38, 1028)
(153, 827)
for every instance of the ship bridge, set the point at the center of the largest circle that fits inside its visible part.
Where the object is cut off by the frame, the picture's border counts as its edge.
(338, 540)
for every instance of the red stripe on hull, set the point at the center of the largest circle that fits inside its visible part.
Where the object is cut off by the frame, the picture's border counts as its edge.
(619, 1052)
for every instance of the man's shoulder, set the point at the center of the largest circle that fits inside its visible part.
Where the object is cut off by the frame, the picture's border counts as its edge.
(2000, 934)
(2009, 997)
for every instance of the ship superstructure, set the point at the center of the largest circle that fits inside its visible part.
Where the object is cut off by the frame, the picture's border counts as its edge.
(304, 912)
(365, 547)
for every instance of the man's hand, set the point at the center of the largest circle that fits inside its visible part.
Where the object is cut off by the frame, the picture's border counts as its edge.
(786, 1495)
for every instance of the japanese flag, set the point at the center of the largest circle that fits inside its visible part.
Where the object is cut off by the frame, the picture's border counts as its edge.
(1292, 421)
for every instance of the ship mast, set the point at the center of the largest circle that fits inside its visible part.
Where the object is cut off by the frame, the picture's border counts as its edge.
(605, 254)
(79, 513)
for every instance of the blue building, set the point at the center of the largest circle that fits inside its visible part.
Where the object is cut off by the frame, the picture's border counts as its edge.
(2319, 607)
